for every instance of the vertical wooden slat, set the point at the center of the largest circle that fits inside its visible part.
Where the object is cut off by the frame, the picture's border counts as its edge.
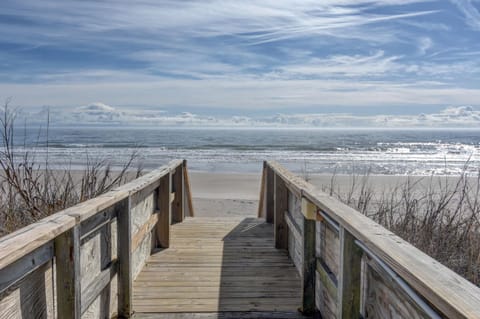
(270, 195)
(188, 190)
(162, 230)
(178, 203)
(67, 259)
(261, 202)
(124, 248)
(349, 277)
(280, 207)
(309, 258)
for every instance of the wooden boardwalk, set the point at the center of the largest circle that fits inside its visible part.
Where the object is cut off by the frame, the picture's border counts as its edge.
(218, 265)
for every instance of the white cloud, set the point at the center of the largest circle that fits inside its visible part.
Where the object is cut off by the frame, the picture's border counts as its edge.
(470, 11)
(99, 113)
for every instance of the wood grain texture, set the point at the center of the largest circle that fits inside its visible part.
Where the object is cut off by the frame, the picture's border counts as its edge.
(216, 264)
(269, 195)
(309, 267)
(162, 230)
(261, 202)
(178, 208)
(188, 190)
(452, 295)
(349, 279)
(67, 262)
(280, 207)
(125, 263)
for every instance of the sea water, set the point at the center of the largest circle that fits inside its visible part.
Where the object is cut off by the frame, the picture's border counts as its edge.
(339, 150)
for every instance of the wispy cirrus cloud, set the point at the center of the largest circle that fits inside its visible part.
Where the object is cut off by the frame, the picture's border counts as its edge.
(238, 54)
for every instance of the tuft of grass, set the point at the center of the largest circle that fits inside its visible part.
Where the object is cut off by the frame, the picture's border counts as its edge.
(31, 190)
(440, 216)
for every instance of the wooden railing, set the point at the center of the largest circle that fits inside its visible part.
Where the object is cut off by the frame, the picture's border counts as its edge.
(352, 267)
(82, 261)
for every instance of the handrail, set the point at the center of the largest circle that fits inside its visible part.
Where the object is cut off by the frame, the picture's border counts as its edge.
(59, 238)
(452, 295)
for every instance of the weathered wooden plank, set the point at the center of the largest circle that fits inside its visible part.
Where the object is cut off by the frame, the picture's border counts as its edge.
(90, 293)
(67, 261)
(178, 212)
(327, 279)
(89, 227)
(270, 195)
(188, 190)
(31, 297)
(261, 202)
(225, 271)
(25, 265)
(349, 279)
(451, 294)
(309, 264)
(280, 206)
(143, 231)
(223, 315)
(125, 264)
(162, 230)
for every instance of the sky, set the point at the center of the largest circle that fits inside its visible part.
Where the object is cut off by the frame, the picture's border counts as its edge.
(389, 62)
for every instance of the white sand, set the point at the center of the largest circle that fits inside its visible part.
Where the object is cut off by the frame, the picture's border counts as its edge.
(223, 194)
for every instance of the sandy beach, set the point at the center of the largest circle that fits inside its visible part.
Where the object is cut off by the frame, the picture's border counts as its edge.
(222, 194)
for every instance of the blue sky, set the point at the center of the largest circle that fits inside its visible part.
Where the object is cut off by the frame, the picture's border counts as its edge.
(246, 57)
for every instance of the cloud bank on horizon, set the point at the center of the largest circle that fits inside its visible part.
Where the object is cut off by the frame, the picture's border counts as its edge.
(144, 56)
(101, 114)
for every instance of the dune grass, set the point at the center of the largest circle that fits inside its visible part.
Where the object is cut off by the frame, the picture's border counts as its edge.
(440, 216)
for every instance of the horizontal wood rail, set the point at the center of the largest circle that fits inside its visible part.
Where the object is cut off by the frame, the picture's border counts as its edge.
(90, 244)
(351, 266)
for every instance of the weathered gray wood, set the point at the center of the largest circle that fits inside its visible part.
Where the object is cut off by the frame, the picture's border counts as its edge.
(162, 230)
(349, 279)
(188, 190)
(25, 265)
(280, 206)
(124, 248)
(261, 202)
(451, 294)
(270, 195)
(97, 286)
(309, 267)
(67, 261)
(385, 298)
(327, 279)
(224, 315)
(178, 212)
(91, 226)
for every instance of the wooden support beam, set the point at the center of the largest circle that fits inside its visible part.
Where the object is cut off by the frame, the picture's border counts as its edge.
(162, 230)
(261, 202)
(67, 261)
(125, 265)
(188, 190)
(178, 212)
(309, 263)
(349, 277)
(280, 206)
(270, 195)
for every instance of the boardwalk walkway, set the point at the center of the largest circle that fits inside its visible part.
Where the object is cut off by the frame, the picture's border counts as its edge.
(218, 265)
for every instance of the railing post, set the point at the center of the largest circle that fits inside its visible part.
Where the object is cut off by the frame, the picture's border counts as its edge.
(162, 229)
(309, 212)
(349, 277)
(280, 207)
(178, 211)
(124, 248)
(67, 260)
(188, 190)
(270, 195)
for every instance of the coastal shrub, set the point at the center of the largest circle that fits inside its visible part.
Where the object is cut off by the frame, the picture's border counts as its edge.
(438, 215)
(31, 189)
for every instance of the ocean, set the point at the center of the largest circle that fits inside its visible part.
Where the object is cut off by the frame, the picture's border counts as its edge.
(343, 151)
